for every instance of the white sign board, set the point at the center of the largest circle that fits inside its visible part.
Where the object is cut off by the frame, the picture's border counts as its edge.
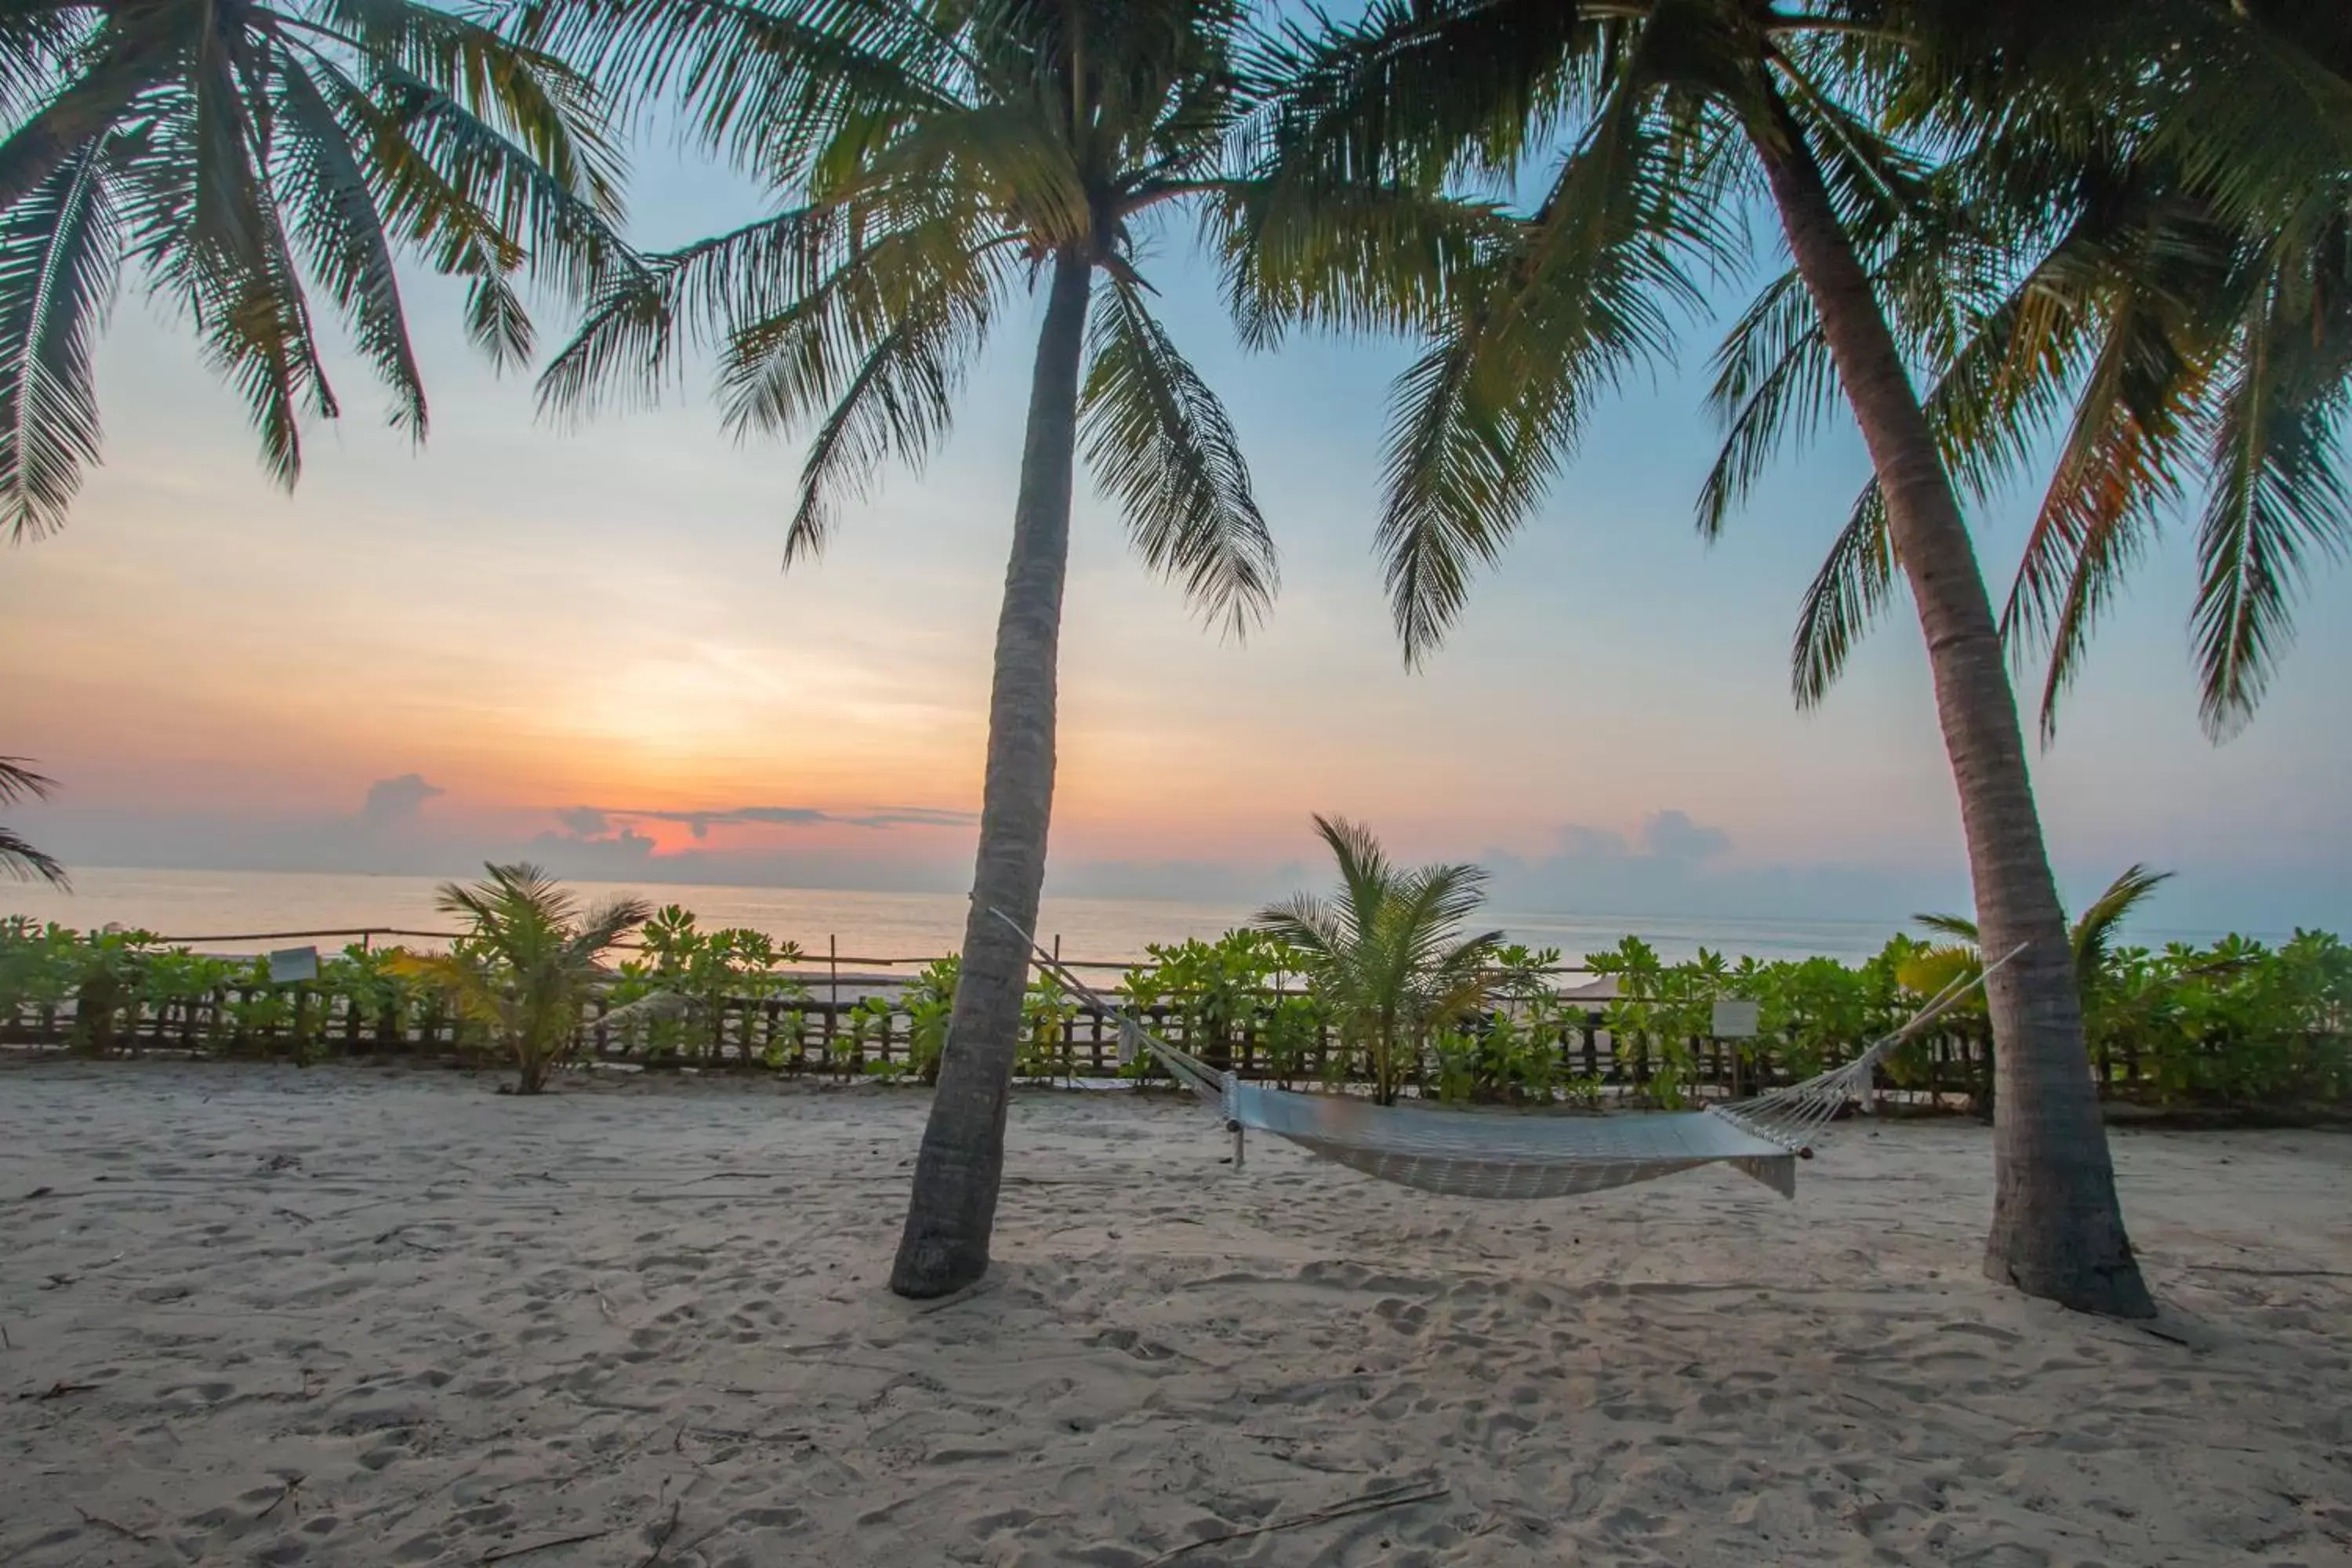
(1734, 1019)
(293, 965)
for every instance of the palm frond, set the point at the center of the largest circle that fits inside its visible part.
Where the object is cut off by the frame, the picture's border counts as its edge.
(19, 782)
(2250, 113)
(1460, 476)
(1355, 260)
(1775, 386)
(1931, 971)
(564, 236)
(108, 70)
(2280, 497)
(1414, 90)
(59, 252)
(2117, 471)
(1428, 906)
(1366, 873)
(203, 220)
(38, 45)
(1158, 438)
(551, 112)
(1312, 925)
(774, 84)
(790, 358)
(1856, 582)
(892, 406)
(1485, 418)
(601, 927)
(22, 862)
(261, 341)
(1958, 927)
(1011, 155)
(633, 337)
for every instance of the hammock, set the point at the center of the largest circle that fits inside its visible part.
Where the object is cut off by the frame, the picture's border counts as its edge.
(1504, 1155)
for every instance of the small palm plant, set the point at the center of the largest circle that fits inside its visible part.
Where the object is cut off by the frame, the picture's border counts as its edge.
(528, 962)
(2103, 982)
(17, 858)
(1936, 966)
(1385, 956)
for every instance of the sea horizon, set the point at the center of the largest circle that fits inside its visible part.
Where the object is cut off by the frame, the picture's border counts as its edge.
(223, 910)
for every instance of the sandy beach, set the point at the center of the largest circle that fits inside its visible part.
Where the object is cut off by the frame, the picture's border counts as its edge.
(370, 1316)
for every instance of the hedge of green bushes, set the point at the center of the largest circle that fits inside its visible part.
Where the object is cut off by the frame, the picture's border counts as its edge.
(2236, 1024)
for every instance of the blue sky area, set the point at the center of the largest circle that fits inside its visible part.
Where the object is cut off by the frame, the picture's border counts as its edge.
(578, 643)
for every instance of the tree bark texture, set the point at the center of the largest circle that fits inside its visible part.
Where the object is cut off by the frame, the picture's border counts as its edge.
(953, 1206)
(2057, 1228)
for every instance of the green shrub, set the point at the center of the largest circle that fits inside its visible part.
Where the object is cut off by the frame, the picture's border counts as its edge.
(2239, 1023)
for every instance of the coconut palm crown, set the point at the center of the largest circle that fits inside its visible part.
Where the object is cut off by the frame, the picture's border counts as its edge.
(261, 165)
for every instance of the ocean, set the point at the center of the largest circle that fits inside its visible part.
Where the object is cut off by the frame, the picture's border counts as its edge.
(250, 910)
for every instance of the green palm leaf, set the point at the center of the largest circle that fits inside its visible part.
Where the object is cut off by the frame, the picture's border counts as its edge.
(58, 250)
(1482, 419)
(631, 341)
(2095, 930)
(2280, 496)
(1158, 438)
(343, 237)
(776, 84)
(1387, 957)
(19, 860)
(1774, 387)
(895, 405)
(241, 158)
(1297, 252)
(1861, 576)
(106, 71)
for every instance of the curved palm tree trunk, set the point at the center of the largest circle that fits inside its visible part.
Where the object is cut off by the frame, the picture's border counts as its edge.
(953, 1207)
(2057, 1228)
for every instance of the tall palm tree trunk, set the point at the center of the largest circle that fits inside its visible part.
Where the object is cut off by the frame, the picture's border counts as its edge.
(2057, 1228)
(953, 1207)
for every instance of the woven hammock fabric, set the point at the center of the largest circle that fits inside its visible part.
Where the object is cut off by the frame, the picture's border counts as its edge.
(1502, 1154)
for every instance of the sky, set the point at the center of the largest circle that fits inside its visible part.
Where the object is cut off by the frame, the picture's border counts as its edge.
(577, 643)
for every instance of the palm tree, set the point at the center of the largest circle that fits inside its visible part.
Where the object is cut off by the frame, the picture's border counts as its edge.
(943, 156)
(247, 157)
(527, 964)
(1665, 114)
(18, 859)
(2166, 287)
(1385, 958)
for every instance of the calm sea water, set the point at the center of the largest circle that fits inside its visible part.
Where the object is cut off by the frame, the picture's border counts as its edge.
(240, 910)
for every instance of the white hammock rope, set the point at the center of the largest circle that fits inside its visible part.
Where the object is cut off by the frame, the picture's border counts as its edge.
(660, 1005)
(1502, 1155)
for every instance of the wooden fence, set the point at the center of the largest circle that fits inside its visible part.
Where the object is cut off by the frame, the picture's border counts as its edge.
(822, 1037)
(846, 1040)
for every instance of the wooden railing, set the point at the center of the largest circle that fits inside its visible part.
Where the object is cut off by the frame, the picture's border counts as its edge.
(817, 1036)
(820, 1036)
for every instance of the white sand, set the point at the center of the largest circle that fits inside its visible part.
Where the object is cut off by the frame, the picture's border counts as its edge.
(352, 1316)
